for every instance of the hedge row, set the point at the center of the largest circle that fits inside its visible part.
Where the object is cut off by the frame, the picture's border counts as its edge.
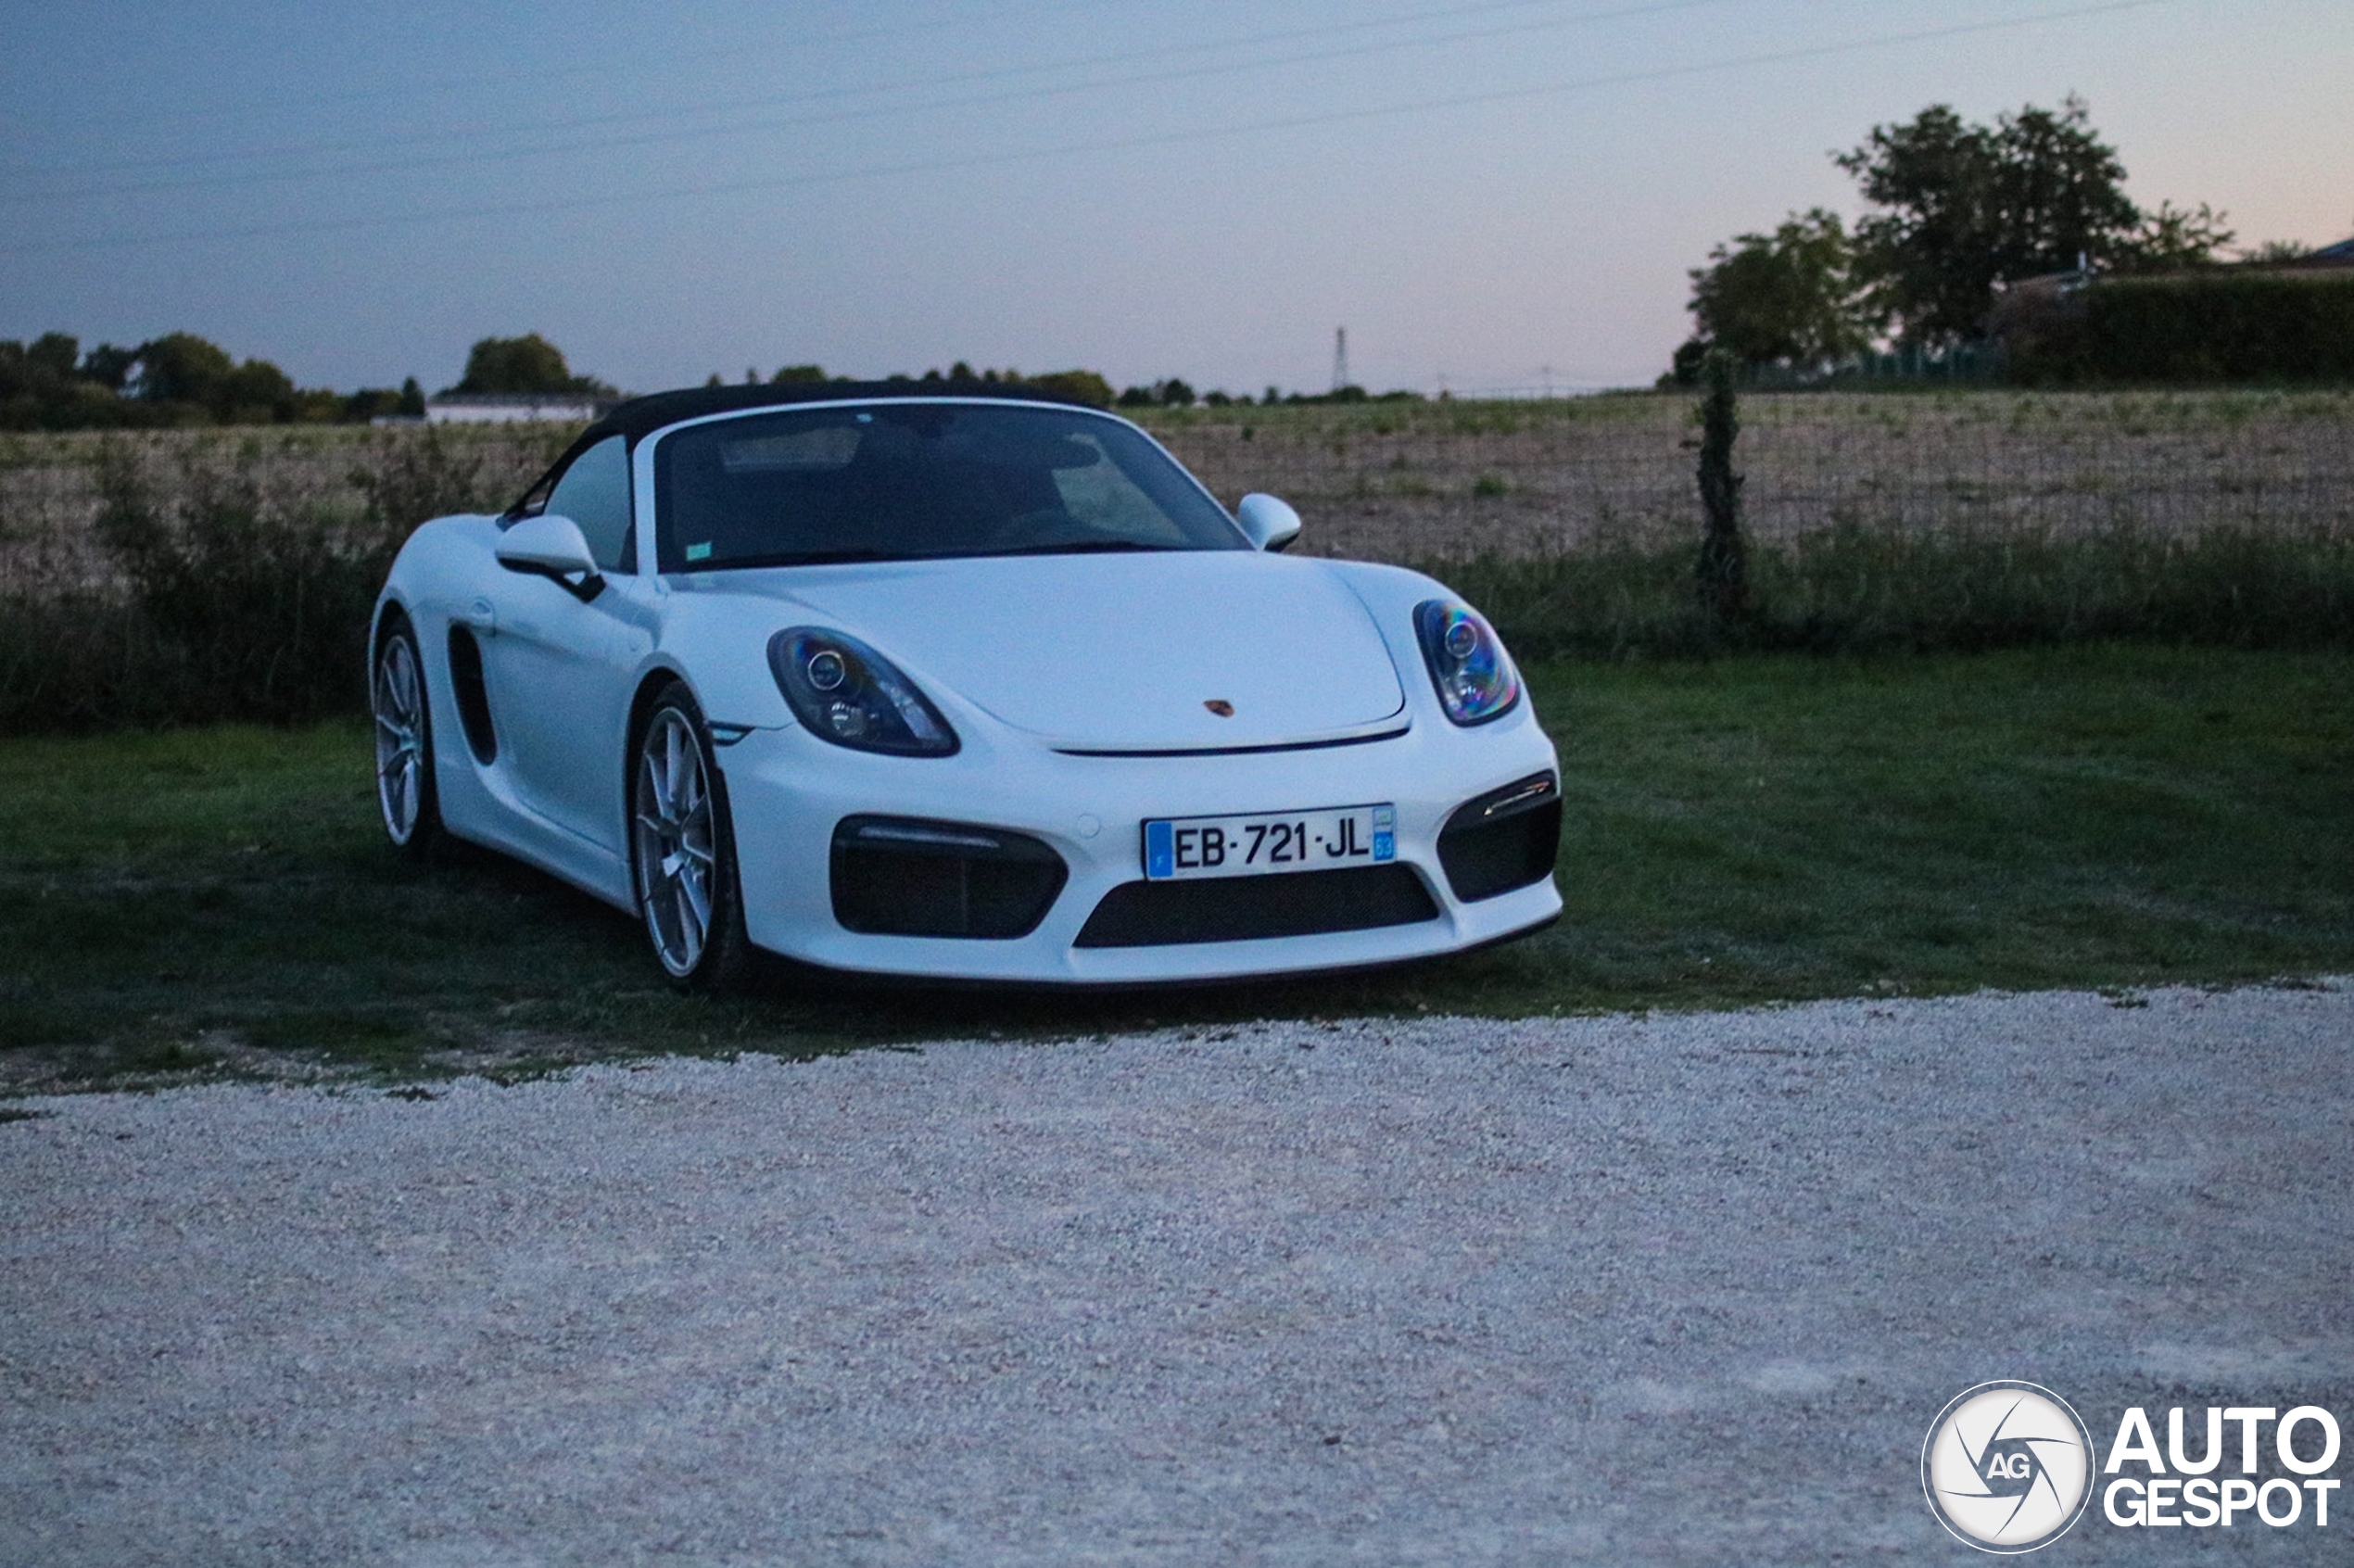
(2276, 327)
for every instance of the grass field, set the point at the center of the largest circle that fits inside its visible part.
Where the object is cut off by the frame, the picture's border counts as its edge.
(218, 900)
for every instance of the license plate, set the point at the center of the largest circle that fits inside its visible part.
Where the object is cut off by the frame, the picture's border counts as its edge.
(1177, 849)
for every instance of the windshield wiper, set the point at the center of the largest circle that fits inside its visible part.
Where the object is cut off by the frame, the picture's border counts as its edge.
(1080, 547)
(832, 557)
(808, 558)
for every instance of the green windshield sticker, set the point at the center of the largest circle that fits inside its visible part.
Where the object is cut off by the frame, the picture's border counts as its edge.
(698, 552)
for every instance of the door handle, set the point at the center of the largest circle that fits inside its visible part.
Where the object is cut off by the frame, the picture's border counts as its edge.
(482, 617)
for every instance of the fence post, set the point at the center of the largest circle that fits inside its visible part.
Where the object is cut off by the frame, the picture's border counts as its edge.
(1722, 573)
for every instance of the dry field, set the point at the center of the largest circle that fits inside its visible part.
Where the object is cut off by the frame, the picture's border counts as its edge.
(51, 487)
(1436, 481)
(1425, 481)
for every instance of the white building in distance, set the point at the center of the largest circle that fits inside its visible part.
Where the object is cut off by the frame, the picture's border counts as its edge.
(511, 408)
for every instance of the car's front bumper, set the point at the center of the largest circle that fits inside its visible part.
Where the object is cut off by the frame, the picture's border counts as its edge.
(788, 790)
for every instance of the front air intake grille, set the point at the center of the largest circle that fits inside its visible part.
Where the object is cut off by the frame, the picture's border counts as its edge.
(1245, 908)
(895, 875)
(1505, 839)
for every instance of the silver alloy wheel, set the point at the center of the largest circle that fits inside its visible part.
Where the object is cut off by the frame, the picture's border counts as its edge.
(675, 855)
(400, 705)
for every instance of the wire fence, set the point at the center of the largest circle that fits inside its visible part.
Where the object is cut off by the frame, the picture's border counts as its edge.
(1443, 480)
(1409, 481)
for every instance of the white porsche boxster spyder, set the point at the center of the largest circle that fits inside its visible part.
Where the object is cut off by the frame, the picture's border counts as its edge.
(972, 686)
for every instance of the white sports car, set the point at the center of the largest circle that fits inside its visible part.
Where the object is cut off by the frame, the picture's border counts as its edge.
(972, 686)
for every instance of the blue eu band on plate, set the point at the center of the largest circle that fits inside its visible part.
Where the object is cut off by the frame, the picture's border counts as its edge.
(1252, 846)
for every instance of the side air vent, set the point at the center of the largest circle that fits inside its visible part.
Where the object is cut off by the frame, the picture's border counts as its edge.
(473, 699)
(1505, 839)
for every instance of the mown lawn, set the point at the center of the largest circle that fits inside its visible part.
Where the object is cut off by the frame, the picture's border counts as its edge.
(1749, 829)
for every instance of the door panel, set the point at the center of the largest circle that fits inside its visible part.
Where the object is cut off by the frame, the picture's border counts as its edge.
(558, 674)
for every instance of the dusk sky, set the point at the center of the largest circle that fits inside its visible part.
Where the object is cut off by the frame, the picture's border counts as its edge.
(1485, 191)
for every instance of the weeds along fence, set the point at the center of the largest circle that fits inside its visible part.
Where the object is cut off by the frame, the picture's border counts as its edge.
(1952, 520)
(1450, 481)
(176, 576)
(181, 577)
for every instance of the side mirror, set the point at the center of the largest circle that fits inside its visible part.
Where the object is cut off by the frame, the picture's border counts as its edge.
(1271, 524)
(552, 547)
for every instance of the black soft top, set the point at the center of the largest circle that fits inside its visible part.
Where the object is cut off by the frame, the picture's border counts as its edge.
(642, 416)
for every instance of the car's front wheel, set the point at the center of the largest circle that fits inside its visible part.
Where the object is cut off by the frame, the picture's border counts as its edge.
(682, 850)
(404, 739)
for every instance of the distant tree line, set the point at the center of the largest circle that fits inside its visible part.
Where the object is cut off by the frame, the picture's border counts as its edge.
(51, 383)
(1175, 394)
(1958, 213)
(180, 379)
(1088, 386)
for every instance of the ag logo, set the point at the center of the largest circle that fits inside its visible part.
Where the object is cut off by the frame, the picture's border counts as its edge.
(2008, 1467)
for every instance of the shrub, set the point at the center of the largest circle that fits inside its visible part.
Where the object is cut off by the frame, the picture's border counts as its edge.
(250, 612)
(2219, 326)
(236, 598)
(1082, 385)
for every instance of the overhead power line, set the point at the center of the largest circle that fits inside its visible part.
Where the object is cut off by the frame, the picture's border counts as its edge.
(670, 114)
(1127, 144)
(508, 76)
(672, 135)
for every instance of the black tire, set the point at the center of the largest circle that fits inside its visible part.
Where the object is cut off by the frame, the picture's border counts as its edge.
(682, 850)
(400, 702)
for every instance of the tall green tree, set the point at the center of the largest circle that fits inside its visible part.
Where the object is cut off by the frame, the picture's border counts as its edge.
(1962, 208)
(55, 352)
(525, 364)
(180, 367)
(2172, 239)
(2059, 193)
(110, 366)
(1787, 297)
(1086, 386)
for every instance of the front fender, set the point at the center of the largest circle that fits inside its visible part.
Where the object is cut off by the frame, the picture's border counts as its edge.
(1389, 594)
(438, 568)
(719, 644)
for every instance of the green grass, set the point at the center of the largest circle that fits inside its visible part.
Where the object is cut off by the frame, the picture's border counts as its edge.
(217, 900)
(1850, 589)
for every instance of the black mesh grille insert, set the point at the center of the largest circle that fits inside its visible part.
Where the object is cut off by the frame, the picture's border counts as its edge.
(896, 875)
(1504, 840)
(1242, 908)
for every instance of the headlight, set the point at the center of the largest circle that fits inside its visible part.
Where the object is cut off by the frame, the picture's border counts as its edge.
(1474, 676)
(844, 692)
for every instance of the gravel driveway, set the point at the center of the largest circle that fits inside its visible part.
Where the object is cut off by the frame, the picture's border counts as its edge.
(1675, 1290)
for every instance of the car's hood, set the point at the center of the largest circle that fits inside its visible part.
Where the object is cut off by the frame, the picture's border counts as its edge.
(1122, 653)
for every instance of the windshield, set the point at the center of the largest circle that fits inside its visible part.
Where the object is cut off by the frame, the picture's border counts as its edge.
(908, 481)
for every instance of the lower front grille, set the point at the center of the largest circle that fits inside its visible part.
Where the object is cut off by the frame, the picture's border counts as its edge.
(1504, 840)
(1246, 908)
(900, 877)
